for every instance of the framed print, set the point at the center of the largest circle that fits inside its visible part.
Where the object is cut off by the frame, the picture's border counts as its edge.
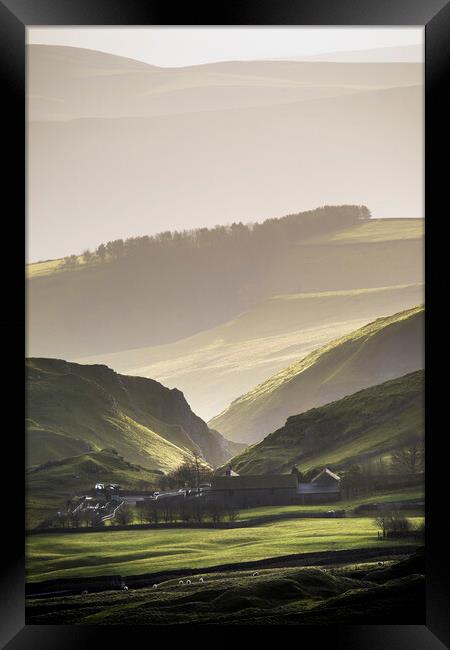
(227, 419)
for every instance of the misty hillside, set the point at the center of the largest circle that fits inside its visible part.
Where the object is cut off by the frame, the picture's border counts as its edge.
(368, 424)
(121, 148)
(74, 409)
(165, 291)
(217, 365)
(71, 83)
(386, 348)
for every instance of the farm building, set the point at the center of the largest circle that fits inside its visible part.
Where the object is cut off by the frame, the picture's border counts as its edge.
(245, 491)
(274, 489)
(323, 488)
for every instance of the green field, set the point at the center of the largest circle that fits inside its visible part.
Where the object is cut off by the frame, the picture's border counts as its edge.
(49, 267)
(147, 551)
(380, 230)
(274, 596)
(406, 494)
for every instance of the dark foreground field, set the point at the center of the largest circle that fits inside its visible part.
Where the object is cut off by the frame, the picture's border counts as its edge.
(391, 592)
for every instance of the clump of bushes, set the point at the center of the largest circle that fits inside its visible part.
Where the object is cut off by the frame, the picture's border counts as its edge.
(396, 525)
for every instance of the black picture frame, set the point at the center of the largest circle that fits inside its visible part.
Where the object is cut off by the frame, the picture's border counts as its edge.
(15, 16)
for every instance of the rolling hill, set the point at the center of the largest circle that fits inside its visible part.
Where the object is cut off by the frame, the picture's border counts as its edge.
(67, 83)
(365, 425)
(74, 409)
(387, 348)
(217, 365)
(99, 309)
(117, 148)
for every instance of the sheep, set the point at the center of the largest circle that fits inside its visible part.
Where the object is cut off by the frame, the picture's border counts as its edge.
(155, 586)
(84, 593)
(188, 582)
(181, 582)
(125, 588)
(255, 574)
(200, 580)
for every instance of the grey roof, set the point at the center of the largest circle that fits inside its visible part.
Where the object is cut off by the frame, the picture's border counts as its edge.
(312, 488)
(263, 481)
(326, 471)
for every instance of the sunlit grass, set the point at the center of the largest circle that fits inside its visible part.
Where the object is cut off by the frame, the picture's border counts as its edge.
(146, 551)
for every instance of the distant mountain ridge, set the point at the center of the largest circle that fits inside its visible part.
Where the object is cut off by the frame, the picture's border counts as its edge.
(363, 426)
(69, 82)
(240, 140)
(73, 409)
(386, 348)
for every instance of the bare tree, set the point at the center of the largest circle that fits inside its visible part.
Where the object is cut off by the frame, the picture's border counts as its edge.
(151, 512)
(409, 459)
(232, 513)
(196, 457)
(394, 524)
(382, 522)
(192, 472)
(124, 515)
(216, 511)
(199, 510)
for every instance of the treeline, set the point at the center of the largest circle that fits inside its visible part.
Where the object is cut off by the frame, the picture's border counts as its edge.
(273, 232)
(191, 473)
(404, 468)
(191, 510)
(168, 510)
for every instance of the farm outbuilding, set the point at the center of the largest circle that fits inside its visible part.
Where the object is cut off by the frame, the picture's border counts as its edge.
(275, 489)
(243, 491)
(324, 487)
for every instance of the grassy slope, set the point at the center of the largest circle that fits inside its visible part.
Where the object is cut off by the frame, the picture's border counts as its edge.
(389, 254)
(259, 342)
(386, 348)
(277, 595)
(136, 552)
(367, 424)
(72, 409)
(48, 487)
(377, 230)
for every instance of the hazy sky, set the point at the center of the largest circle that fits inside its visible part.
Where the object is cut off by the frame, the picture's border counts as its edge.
(77, 203)
(181, 46)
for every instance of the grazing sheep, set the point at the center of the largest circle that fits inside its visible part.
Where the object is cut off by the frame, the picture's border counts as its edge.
(125, 588)
(181, 582)
(188, 582)
(255, 574)
(84, 593)
(155, 586)
(200, 579)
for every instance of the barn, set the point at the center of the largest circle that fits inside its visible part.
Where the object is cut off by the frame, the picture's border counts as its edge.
(323, 488)
(260, 490)
(275, 489)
